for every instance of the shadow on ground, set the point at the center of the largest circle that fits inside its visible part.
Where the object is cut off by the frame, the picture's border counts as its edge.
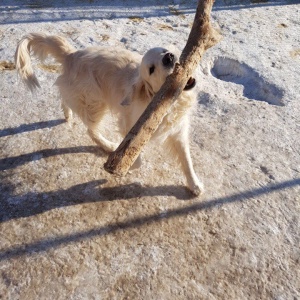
(16, 161)
(30, 127)
(27, 206)
(32, 203)
(12, 162)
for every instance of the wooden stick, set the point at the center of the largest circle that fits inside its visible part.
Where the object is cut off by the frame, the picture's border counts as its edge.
(201, 37)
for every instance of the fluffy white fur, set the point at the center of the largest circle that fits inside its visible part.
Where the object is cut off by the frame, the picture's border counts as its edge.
(96, 80)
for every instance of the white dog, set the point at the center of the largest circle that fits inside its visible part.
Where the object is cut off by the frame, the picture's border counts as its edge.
(96, 80)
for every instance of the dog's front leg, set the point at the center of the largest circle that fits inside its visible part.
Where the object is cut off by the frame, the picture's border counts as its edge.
(101, 141)
(179, 145)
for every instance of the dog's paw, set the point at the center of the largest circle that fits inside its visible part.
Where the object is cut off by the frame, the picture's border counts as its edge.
(69, 119)
(70, 122)
(197, 188)
(109, 146)
(68, 114)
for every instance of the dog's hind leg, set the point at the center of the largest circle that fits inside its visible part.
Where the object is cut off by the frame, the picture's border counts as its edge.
(179, 146)
(92, 121)
(67, 112)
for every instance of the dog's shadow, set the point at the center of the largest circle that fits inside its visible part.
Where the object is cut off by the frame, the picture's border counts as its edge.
(16, 161)
(33, 203)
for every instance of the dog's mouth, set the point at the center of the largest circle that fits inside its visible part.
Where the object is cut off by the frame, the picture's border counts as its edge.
(190, 84)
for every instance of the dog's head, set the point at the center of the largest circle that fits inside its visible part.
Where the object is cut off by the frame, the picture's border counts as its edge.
(156, 65)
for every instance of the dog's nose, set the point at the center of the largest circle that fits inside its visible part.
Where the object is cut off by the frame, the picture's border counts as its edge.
(168, 59)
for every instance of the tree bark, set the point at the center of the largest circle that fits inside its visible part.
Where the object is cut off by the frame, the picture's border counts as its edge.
(201, 37)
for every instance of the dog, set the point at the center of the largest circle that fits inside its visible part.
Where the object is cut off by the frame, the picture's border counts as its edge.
(97, 80)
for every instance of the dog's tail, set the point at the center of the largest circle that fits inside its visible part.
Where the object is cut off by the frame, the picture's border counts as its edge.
(41, 46)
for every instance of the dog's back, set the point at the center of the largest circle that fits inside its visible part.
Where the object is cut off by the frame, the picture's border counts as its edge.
(101, 74)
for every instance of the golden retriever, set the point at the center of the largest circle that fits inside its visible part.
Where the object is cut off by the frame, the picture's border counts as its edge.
(96, 80)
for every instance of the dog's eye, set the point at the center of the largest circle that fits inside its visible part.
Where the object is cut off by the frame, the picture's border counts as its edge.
(151, 70)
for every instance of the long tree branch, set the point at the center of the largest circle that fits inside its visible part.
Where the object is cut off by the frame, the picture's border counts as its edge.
(201, 37)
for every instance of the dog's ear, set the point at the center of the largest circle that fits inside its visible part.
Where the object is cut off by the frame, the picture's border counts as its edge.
(142, 91)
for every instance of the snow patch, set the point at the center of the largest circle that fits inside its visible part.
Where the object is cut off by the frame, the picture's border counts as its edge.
(256, 87)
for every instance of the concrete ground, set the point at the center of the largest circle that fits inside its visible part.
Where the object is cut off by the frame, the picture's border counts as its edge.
(69, 230)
